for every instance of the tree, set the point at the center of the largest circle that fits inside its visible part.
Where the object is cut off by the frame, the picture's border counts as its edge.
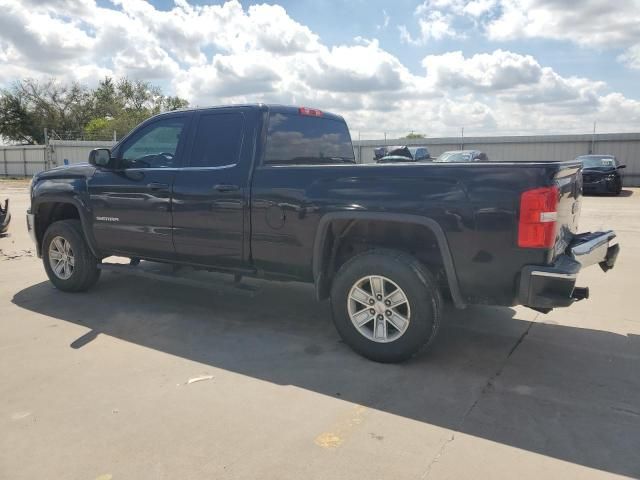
(412, 136)
(75, 111)
(16, 122)
(122, 105)
(29, 106)
(174, 103)
(107, 100)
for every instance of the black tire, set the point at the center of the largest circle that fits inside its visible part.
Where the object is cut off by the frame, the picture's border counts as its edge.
(618, 190)
(85, 271)
(417, 284)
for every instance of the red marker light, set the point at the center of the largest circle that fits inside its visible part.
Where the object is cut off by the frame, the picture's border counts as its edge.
(310, 112)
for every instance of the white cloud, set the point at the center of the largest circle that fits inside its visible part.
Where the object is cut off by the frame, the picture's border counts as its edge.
(499, 70)
(219, 54)
(631, 57)
(435, 18)
(593, 23)
(589, 23)
(385, 21)
(477, 8)
(41, 39)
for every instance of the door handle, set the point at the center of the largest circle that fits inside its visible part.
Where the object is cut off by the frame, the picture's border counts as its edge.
(156, 187)
(225, 187)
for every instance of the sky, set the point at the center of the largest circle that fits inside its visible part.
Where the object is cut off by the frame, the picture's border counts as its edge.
(494, 67)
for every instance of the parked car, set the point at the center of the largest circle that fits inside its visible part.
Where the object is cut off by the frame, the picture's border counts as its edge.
(420, 154)
(378, 153)
(462, 156)
(396, 155)
(5, 218)
(271, 192)
(601, 174)
(402, 154)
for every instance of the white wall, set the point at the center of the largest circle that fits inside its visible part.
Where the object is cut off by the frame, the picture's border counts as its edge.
(25, 160)
(74, 151)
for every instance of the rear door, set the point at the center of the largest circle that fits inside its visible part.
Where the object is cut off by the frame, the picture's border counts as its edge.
(211, 190)
(290, 186)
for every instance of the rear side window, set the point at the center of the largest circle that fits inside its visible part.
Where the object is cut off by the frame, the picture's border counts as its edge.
(294, 139)
(218, 140)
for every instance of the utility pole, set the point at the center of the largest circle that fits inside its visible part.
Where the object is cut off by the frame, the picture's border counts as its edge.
(462, 139)
(593, 139)
(385, 139)
(47, 150)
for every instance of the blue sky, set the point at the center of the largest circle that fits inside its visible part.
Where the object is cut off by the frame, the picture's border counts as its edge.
(492, 66)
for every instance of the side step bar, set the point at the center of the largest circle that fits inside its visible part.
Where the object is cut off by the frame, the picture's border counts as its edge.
(176, 276)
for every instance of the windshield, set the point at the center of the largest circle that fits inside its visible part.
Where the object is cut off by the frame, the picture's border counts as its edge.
(454, 157)
(595, 162)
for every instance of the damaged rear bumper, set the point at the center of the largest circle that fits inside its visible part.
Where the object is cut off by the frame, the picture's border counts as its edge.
(543, 287)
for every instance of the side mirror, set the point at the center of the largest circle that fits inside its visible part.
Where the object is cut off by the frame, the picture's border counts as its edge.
(621, 166)
(100, 157)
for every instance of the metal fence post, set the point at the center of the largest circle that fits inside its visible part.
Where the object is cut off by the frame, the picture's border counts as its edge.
(6, 166)
(24, 160)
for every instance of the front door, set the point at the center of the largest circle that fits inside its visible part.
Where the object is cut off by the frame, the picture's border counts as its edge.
(211, 191)
(131, 201)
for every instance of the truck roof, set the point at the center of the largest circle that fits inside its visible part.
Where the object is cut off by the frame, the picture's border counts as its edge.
(275, 108)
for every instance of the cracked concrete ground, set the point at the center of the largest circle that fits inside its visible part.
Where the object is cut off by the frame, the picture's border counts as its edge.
(97, 385)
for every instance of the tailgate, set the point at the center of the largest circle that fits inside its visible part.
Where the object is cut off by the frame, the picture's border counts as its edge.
(568, 179)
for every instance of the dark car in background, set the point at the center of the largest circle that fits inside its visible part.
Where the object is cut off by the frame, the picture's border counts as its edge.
(402, 153)
(420, 154)
(378, 153)
(454, 156)
(600, 174)
(397, 154)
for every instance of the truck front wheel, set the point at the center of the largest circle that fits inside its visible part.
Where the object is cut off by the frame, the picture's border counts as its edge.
(69, 263)
(386, 305)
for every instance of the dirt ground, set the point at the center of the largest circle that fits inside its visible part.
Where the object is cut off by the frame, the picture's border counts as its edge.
(140, 379)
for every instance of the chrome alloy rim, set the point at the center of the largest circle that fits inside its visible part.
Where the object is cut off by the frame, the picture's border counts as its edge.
(61, 258)
(379, 309)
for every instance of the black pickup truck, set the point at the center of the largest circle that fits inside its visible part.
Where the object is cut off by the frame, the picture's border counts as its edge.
(274, 192)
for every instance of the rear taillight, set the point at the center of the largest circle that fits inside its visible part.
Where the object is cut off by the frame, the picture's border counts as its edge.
(538, 215)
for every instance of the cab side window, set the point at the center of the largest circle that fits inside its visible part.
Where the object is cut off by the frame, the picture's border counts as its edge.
(155, 146)
(218, 140)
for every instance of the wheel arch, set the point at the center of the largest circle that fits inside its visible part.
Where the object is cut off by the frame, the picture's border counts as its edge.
(326, 245)
(51, 209)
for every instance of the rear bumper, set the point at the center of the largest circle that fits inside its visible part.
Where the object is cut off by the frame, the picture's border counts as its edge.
(543, 287)
(602, 185)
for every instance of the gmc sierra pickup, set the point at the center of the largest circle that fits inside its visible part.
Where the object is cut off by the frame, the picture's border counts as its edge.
(274, 192)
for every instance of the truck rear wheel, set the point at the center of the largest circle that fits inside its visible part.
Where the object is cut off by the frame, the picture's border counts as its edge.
(386, 305)
(69, 263)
